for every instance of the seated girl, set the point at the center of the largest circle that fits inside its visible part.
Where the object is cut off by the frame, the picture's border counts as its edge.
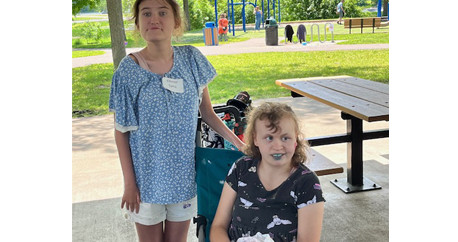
(270, 190)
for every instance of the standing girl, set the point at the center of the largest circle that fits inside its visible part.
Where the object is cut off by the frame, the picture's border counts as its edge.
(156, 94)
(258, 19)
(271, 191)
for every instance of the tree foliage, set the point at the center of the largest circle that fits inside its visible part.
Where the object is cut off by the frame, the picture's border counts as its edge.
(293, 10)
(202, 11)
(77, 5)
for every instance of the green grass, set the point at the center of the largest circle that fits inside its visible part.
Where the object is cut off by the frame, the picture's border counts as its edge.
(195, 37)
(85, 53)
(375, 38)
(91, 89)
(255, 73)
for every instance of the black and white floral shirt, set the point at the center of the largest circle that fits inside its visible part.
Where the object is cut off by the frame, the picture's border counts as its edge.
(269, 212)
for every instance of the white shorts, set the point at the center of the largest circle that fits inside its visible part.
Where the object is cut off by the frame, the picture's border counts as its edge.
(151, 214)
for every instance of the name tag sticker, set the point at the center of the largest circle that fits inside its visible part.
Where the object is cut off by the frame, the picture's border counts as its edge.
(174, 85)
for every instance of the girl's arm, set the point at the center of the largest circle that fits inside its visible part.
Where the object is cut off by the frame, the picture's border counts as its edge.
(310, 220)
(209, 116)
(131, 197)
(223, 215)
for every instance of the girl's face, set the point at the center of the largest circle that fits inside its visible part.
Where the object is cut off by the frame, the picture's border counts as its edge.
(156, 20)
(277, 149)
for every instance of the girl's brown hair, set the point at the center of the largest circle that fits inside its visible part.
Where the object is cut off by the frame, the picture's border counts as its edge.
(274, 112)
(180, 25)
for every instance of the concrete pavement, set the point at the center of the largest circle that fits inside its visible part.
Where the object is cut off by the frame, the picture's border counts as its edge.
(98, 183)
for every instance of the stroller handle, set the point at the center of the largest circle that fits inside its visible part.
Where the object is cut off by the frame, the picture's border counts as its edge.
(224, 109)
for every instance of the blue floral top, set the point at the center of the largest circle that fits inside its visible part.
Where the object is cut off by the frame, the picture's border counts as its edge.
(161, 123)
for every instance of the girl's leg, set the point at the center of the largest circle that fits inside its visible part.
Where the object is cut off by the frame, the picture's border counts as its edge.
(176, 231)
(150, 233)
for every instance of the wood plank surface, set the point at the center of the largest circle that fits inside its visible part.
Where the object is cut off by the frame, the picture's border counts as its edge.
(352, 105)
(367, 22)
(322, 165)
(355, 91)
(376, 86)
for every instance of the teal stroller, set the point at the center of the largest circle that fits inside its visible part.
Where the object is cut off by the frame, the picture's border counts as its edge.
(213, 164)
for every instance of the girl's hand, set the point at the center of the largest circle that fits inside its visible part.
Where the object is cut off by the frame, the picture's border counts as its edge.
(131, 198)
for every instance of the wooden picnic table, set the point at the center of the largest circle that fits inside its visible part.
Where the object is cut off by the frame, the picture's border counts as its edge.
(358, 99)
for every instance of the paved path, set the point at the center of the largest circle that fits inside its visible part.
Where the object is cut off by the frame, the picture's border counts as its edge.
(250, 46)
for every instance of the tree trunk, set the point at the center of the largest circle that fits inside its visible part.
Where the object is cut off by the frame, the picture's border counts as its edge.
(118, 35)
(186, 14)
(385, 8)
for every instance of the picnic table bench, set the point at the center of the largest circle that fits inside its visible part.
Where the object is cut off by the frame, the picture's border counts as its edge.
(358, 99)
(321, 165)
(362, 23)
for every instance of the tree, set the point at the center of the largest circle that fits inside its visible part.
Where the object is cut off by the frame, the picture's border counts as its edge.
(117, 32)
(77, 5)
(385, 8)
(186, 14)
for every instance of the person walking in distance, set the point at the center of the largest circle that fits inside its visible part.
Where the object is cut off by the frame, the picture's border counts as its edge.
(340, 11)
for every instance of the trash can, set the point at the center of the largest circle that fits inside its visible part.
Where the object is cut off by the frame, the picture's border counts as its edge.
(271, 29)
(210, 34)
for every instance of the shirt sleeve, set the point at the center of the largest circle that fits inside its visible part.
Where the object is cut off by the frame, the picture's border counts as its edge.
(122, 104)
(309, 192)
(202, 69)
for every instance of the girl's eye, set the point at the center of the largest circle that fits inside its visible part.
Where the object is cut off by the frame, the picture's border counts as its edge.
(285, 138)
(147, 14)
(162, 13)
(269, 138)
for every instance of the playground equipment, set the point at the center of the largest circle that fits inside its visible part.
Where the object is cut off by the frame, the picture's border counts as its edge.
(231, 16)
(230, 12)
(379, 9)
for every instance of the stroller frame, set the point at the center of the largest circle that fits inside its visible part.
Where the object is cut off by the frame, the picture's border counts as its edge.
(212, 166)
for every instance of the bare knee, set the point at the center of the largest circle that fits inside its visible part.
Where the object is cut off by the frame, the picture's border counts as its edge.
(150, 233)
(176, 231)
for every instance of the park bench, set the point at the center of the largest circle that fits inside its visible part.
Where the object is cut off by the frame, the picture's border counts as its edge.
(362, 23)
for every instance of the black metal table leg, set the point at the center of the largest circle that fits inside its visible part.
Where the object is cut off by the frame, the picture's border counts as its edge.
(355, 181)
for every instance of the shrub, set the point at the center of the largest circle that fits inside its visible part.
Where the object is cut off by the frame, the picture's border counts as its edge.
(92, 31)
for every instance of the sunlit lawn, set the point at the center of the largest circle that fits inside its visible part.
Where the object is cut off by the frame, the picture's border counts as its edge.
(255, 73)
